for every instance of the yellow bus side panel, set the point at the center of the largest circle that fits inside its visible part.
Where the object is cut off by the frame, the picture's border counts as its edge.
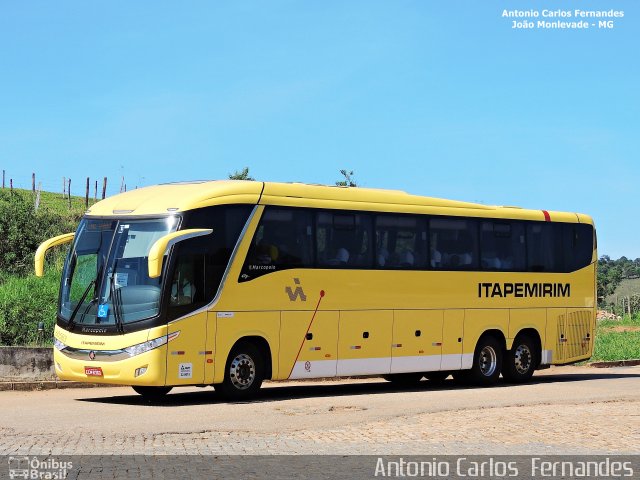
(318, 354)
(534, 318)
(364, 345)
(186, 353)
(417, 341)
(452, 336)
(210, 347)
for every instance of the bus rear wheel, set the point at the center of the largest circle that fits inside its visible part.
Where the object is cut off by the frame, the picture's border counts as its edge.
(487, 362)
(244, 372)
(520, 362)
(152, 393)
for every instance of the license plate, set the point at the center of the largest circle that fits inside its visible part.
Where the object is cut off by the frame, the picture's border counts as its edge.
(93, 371)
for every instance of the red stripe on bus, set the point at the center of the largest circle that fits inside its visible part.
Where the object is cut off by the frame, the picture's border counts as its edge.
(547, 217)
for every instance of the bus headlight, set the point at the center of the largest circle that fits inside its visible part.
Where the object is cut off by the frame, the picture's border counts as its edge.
(150, 344)
(58, 344)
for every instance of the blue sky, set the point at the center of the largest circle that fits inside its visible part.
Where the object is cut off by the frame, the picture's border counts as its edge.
(435, 98)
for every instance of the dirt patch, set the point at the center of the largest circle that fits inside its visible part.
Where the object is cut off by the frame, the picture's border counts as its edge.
(347, 408)
(622, 328)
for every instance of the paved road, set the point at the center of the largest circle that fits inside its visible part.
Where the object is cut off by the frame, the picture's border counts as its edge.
(567, 410)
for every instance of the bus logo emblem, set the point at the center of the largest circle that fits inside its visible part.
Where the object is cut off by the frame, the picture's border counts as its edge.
(92, 355)
(298, 292)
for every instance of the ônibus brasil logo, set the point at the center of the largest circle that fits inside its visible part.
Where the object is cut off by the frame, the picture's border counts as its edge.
(36, 468)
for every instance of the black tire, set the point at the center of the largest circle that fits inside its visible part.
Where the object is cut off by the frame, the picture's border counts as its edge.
(243, 374)
(403, 379)
(152, 393)
(487, 362)
(520, 362)
(436, 377)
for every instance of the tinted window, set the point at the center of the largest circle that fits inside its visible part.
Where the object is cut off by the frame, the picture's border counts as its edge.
(502, 246)
(200, 262)
(401, 242)
(578, 245)
(544, 247)
(283, 240)
(453, 243)
(343, 240)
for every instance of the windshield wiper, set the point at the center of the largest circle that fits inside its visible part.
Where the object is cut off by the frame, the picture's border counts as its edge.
(115, 300)
(79, 304)
(95, 296)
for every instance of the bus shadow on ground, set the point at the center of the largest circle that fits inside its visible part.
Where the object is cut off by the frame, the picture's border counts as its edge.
(291, 392)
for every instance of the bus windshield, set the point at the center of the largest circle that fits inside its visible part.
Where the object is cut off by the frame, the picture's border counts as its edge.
(105, 279)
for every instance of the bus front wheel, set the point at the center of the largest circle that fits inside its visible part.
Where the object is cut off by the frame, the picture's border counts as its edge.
(487, 362)
(521, 360)
(244, 372)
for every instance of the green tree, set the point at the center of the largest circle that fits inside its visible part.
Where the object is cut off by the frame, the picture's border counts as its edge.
(241, 175)
(349, 179)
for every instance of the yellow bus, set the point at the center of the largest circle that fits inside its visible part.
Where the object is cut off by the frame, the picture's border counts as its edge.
(229, 283)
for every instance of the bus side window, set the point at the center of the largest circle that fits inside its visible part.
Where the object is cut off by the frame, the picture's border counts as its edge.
(502, 246)
(282, 241)
(544, 247)
(400, 242)
(454, 241)
(578, 245)
(344, 239)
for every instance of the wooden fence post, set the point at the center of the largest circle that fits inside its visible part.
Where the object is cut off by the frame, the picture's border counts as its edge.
(69, 193)
(95, 193)
(64, 187)
(86, 195)
(38, 196)
(104, 188)
(11, 184)
(33, 182)
(3, 173)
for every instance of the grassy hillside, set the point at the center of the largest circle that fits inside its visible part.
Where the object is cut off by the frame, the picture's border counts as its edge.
(627, 288)
(56, 203)
(26, 300)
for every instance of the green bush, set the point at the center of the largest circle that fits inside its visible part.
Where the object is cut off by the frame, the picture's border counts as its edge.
(26, 301)
(22, 229)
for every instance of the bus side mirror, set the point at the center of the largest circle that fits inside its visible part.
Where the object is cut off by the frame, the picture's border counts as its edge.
(45, 246)
(163, 244)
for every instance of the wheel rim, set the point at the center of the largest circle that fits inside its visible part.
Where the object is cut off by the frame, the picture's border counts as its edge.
(522, 359)
(488, 361)
(242, 371)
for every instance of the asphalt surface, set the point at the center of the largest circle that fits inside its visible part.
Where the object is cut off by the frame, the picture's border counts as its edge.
(564, 410)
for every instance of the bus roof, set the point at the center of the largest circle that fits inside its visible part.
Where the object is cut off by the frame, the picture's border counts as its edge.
(182, 196)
